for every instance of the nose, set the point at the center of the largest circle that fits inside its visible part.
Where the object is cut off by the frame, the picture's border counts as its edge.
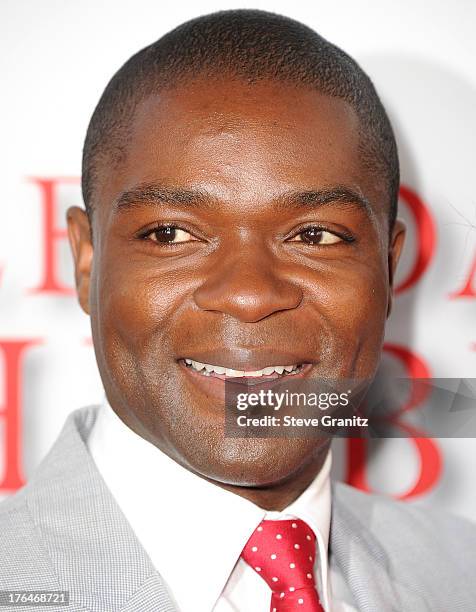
(247, 287)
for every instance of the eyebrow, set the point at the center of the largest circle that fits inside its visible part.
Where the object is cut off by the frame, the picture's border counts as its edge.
(154, 194)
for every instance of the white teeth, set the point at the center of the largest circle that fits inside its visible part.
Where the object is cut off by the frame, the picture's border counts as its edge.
(268, 370)
(234, 373)
(199, 367)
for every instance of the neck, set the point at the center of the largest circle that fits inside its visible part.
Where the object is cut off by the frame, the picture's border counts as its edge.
(279, 496)
(274, 497)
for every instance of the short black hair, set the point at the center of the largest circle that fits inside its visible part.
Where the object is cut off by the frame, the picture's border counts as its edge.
(252, 45)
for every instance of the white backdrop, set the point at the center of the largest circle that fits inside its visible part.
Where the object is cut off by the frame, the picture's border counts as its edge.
(56, 58)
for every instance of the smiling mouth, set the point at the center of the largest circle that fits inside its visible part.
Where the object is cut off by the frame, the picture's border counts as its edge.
(216, 371)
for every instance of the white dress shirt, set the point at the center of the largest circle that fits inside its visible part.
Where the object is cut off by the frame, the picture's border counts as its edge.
(194, 531)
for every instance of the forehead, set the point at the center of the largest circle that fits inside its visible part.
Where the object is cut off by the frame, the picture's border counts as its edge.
(243, 142)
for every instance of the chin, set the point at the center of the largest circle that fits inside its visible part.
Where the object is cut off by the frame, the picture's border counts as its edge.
(260, 462)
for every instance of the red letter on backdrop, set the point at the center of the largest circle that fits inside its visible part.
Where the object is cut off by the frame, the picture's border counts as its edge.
(51, 234)
(10, 412)
(428, 451)
(425, 236)
(469, 288)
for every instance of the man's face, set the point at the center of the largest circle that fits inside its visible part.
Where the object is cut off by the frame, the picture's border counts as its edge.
(278, 254)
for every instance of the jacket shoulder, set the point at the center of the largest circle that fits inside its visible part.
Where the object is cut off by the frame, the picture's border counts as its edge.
(404, 514)
(24, 561)
(407, 529)
(416, 556)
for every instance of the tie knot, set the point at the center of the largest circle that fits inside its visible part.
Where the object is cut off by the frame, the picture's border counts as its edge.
(283, 554)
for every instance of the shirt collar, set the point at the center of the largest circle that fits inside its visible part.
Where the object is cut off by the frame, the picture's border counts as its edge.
(192, 530)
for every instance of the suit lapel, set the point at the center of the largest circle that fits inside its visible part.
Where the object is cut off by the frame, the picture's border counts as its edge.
(357, 555)
(93, 549)
(151, 597)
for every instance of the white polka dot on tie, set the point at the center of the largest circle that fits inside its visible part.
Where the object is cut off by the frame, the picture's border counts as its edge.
(309, 576)
(282, 595)
(274, 579)
(273, 556)
(259, 528)
(300, 601)
(310, 557)
(254, 549)
(308, 537)
(258, 569)
(294, 526)
(292, 565)
(274, 609)
(278, 536)
(292, 589)
(296, 546)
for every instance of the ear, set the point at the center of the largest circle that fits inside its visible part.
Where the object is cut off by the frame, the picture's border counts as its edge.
(394, 251)
(80, 241)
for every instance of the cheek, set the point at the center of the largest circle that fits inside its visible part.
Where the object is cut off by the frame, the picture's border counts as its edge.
(136, 311)
(138, 303)
(133, 322)
(359, 307)
(352, 307)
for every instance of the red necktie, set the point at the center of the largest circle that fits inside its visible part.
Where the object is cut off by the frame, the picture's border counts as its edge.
(283, 554)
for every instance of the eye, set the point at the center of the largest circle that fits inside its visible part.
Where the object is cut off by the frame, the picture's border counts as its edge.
(168, 234)
(318, 236)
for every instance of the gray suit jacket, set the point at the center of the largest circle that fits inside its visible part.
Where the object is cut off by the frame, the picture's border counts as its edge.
(64, 531)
